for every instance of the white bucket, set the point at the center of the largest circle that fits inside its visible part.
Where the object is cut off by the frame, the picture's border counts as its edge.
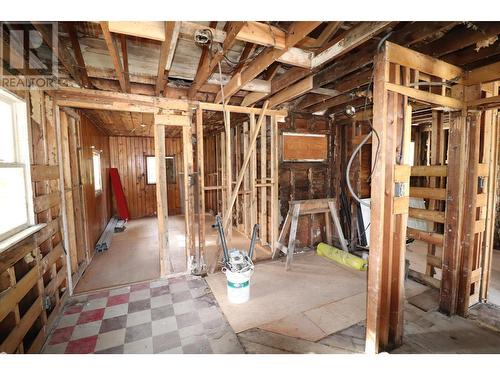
(238, 286)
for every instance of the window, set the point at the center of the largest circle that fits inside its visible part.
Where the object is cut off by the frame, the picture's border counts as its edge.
(151, 170)
(16, 203)
(96, 167)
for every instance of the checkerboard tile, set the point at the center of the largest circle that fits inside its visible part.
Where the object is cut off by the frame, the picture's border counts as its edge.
(177, 315)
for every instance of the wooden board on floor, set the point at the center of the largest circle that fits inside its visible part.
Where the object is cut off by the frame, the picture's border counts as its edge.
(427, 301)
(276, 293)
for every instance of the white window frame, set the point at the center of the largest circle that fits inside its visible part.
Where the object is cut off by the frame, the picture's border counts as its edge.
(21, 155)
(153, 157)
(97, 153)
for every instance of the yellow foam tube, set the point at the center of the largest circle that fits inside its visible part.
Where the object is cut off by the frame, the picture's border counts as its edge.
(341, 257)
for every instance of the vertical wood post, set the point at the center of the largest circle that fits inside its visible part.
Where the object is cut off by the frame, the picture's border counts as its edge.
(187, 151)
(274, 183)
(453, 216)
(389, 210)
(161, 199)
(470, 208)
(253, 177)
(229, 174)
(201, 186)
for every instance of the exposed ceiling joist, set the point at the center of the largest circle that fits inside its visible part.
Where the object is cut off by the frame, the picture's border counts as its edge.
(62, 54)
(207, 66)
(330, 29)
(353, 38)
(297, 32)
(70, 28)
(165, 48)
(461, 38)
(113, 52)
(123, 44)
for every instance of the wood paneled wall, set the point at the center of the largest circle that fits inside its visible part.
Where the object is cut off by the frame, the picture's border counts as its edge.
(97, 207)
(128, 154)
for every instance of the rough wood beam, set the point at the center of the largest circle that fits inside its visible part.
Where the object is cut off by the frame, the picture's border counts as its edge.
(204, 52)
(113, 52)
(253, 32)
(292, 92)
(297, 57)
(297, 32)
(150, 30)
(164, 52)
(416, 32)
(324, 37)
(309, 100)
(70, 28)
(470, 55)
(63, 55)
(347, 85)
(351, 39)
(123, 44)
(290, 76)
(208, 67)
(484, 74)
(263, 34)
(461, 38)
(255, 85)
(249, 48)
(346, 65)
(324, 91)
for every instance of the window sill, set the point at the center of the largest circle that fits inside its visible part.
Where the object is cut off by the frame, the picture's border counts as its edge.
(18, 237)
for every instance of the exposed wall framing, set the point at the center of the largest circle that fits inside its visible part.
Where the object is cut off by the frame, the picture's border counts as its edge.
(33, 273)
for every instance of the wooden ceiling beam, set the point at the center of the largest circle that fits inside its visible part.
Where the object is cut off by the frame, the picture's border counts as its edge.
(165, 48)
(416, 32)
(207, 66)
(297, 32)
(344, 88)
(73, 36)
(484, 74)
(330, 29)
(126, 73)
(62, 54)
(253, 32)
(203, 59)
(460, 37)
(292, 92)
(245, 54)
(352, 38)
(113, 52)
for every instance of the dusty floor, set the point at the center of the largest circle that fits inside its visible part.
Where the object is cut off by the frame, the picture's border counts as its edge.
(132, 257)
(316, 298)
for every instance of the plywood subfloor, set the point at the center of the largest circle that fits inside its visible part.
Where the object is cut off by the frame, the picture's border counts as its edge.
(313, 300)
(132, 257)
(238, 241)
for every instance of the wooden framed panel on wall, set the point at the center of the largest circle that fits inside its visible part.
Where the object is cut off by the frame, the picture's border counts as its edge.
(305, 147)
